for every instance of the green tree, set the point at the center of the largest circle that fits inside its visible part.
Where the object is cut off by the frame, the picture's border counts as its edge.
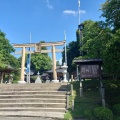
(5, 52)
(111, 12)
(95, 39)
(112, 55)
(40, 62)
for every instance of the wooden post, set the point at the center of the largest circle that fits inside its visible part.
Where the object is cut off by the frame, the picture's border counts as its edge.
(103, 99)
(102, 92)
(67, 101)
(71, 78)
(81, 89)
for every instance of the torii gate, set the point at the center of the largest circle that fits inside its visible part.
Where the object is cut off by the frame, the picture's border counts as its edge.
(38, 49)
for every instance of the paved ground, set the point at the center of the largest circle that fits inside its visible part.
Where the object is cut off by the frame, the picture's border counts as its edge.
(26, 118)
(30, 118)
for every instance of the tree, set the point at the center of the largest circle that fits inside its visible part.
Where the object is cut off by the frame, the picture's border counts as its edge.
(112, 55)
(5, 53)
(40, 62)
(95, 39)
(111, 12)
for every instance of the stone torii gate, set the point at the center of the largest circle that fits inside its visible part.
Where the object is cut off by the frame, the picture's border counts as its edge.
(37, 49)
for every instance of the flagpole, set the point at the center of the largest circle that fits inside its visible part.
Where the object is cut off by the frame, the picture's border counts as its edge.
(65, 48)
(79, 23)
(30, 59)
(78, 12)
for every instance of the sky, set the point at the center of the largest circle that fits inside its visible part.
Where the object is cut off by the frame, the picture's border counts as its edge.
(45, 19)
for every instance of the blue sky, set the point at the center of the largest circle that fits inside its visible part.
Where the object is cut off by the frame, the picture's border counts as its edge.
(45, 19)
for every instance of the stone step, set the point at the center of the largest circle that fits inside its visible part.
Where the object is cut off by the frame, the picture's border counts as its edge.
(32, 92)
(33, 89)
(32, 109)
(33, 100)
(35, 85)
(44, 105)
(23, 115)
(39, 100)
(34, 96)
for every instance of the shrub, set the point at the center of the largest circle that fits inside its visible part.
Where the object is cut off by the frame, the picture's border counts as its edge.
(116, 109)
(88, 114)
(103, 113)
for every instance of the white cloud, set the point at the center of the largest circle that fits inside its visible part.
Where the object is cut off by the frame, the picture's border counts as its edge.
(72, 12)
(82, 11)
(49, 5)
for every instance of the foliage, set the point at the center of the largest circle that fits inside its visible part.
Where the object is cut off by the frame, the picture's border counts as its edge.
(111, 12)
(95, 38)
(116, 109)
(89, 101)
(103, 113)
(111, 55)
(13, 61)
(40, 62)
(85, 106)
(16, 76)
(5, 53)
(88, 114)
(67, 116)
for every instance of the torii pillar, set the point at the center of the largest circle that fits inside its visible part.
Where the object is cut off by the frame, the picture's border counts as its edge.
(54, 65)
(22, 67)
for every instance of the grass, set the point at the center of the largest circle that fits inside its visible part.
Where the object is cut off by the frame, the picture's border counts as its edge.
(89, 101)
(91, 98)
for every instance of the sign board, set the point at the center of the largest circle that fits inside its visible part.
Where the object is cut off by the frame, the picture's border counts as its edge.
(89, 68)
(90, 71)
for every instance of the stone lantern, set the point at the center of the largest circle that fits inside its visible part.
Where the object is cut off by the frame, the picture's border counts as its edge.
(64, 67)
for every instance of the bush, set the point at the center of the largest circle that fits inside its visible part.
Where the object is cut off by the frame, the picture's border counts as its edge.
(103, 113)
(88, 114)
(116, 109)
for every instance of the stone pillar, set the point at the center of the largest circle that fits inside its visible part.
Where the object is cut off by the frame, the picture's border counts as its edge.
(2, 76)
(54, 65)
(22, 67)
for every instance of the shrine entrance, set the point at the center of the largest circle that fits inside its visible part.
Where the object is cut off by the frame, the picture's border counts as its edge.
(36, 48)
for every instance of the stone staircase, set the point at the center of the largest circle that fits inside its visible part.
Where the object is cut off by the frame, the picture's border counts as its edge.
(33, 100)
